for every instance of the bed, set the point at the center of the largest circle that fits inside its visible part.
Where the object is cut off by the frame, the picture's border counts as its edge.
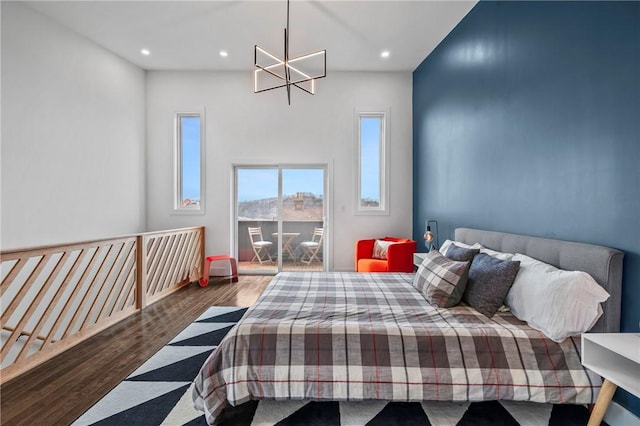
(363, 336)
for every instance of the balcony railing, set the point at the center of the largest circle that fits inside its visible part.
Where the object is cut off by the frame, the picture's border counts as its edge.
(54, 297)
(269, 228)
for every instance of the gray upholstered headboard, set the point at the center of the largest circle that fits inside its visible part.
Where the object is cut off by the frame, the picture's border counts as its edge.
(602, 263)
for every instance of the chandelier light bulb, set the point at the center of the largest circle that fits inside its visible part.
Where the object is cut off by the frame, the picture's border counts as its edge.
(282, 72)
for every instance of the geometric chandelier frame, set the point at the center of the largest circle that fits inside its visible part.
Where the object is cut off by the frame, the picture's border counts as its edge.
(272, 72)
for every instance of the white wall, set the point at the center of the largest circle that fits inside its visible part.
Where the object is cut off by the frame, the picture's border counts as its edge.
(73, 135)
(261, 128)
(73, 141)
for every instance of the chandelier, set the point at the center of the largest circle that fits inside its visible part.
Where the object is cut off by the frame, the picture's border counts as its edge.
(272, 72)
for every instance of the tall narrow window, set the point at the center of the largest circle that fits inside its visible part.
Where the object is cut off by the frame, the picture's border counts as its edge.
(189, 156)
(371, 195)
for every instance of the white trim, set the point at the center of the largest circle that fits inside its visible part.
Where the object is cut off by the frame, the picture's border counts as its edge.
(327, 219)
(178, 209)
(617, 415)
(279, 221)
(383, 209)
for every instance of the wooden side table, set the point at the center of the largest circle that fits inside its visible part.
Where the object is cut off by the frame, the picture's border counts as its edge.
(615, 357)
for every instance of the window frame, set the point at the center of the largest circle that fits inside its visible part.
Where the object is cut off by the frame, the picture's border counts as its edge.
(178, 208)
(384, 114)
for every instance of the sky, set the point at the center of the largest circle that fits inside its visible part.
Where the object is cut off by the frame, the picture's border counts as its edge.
(256, 184)
(259, 183)
(370, 151)
(190, 127)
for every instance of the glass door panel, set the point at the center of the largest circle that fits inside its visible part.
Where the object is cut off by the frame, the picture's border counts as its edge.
(257, 218)
(302, 219)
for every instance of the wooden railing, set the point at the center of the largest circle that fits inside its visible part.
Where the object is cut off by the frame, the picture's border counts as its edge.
(54, 297)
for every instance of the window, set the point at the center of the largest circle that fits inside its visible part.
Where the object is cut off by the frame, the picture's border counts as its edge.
(189, 149)
(372, 175)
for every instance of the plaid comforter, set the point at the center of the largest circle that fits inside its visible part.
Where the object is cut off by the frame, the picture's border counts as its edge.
(355, 336)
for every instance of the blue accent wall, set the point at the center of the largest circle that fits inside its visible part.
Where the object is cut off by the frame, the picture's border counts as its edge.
(527, 120)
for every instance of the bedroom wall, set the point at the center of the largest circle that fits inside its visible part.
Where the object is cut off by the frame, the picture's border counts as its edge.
(73, 135)
(243, 127)
(526, 121)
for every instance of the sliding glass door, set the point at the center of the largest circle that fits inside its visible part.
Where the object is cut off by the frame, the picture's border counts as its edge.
(256, 218)
(280, 218)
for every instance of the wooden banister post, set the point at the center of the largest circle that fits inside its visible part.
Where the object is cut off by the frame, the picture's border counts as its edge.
(141, 272)
(202, 256)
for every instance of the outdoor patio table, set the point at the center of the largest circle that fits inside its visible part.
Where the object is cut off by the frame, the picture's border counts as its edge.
(287, 238)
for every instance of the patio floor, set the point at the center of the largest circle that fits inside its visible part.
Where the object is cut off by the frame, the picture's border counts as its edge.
(272, 266)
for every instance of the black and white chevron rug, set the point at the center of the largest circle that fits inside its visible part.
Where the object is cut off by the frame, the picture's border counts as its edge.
(159, 393)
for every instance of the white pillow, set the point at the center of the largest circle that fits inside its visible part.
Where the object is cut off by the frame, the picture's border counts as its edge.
(497, 254)
(380, 248)
(558, 303)
(447, 243)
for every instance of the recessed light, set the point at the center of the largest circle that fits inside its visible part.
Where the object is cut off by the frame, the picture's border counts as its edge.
(224, 53)
(385, 54)
(145, 52)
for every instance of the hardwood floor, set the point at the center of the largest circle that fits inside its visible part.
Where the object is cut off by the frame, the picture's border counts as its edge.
(60, 390)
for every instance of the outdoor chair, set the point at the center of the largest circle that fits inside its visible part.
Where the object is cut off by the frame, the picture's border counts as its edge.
(311, 248)
(260, 247)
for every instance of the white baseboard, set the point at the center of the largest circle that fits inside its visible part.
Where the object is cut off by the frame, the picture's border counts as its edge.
(617, 415)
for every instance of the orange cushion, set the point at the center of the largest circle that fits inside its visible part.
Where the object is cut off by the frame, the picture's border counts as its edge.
(372, 265)
(396, 240)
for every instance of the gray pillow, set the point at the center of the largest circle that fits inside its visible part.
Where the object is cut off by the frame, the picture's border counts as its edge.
(461, 254)
(489, 282)
(440, 280)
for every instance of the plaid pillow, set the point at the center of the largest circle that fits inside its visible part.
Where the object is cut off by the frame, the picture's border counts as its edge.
(440, 280)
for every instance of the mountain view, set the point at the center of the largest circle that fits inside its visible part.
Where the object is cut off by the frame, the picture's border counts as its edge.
(299, 207)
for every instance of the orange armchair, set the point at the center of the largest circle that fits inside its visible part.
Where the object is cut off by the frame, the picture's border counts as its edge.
(399, 256)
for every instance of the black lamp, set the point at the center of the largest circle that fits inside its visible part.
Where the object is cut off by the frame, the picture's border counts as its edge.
(429, 238)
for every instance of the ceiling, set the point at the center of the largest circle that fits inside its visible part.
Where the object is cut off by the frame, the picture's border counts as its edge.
(188, 35)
